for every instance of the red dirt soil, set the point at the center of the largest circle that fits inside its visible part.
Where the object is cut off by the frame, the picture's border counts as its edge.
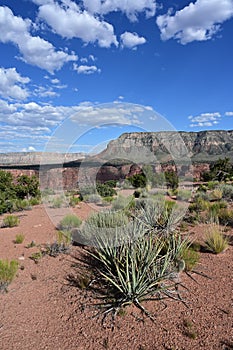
(43, 311)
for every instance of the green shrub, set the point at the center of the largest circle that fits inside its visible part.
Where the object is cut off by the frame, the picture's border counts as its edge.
(19, 238)
(184, 195)
(191, 258)
(58, 202)
(11, 221)
(122, 203)
(8, 271)
(138, 180)
(105, 191)
(216, 194)
(107, 219)
(73, 201)
(215, 240)
(225, 216)
(69, 222)
(93, 198)
(227, 191)
(34, 201)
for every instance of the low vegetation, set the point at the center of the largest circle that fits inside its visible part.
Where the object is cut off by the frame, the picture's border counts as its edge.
(8, 270)
(11, 221)
(215, 240)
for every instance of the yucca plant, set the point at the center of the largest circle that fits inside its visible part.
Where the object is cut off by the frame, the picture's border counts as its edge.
(8, 270)
(134, 271)
(215, 240)
(161, 217)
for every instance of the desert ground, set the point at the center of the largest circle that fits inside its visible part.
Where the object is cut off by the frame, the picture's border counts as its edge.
(43, 309)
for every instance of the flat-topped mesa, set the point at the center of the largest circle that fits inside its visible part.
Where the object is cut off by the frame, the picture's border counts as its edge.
(37, 158)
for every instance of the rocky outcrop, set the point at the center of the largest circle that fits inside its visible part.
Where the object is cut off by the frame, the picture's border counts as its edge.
(190, 153)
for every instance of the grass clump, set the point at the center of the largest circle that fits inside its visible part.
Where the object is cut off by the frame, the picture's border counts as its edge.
(215, 240)
(8, 270)
(69, 222)
(19, 239)
(11, 221)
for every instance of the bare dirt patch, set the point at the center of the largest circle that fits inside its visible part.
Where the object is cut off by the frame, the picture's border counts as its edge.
(43, 311)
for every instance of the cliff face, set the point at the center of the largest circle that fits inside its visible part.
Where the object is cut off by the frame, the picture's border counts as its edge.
(204, 146)
(125, 155)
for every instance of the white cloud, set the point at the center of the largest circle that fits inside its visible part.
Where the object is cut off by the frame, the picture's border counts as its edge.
(42, 91)
(205, 119)
(70, 22)
(229, 114)
(28, 149)
(34, 50)
(131, 40)
(83, 69)
(131, 7)
(198, 21)
(12, 84)
(55, 81)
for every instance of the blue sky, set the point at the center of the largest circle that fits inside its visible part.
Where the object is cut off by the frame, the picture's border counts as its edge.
(63, 58)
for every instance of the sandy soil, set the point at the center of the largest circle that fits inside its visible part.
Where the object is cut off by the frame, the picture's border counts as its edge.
(42, 310)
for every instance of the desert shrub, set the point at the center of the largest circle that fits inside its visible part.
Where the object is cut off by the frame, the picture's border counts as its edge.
(214, 209)
(172, 180)
(21, 204)
(122, 203)
(111, 183)
(191, 258)
(199, 205)
(107, 219)
(73, 201)
(11, 221)
(19, 238)
(58, 202)
(138, 180)
(227, 191)
(225, 216)
(211, 185)
(62, 244)
(69, 222)
(34, 201)
(216, 194)
(215, 240)
(8, 270)
(184, 195)
(105, 190)
(93, 198)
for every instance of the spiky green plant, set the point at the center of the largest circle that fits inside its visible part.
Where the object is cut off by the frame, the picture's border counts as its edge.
(134, 271)
(161, 217)
(215, 240)
(8, 270)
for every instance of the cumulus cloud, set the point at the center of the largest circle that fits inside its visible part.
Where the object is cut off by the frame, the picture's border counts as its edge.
(205, 119)
(131, 40)
(69, 21)
(131, 7)
(12, 84)
(198, 21)
(34, 50)
(83, 69)
(229, 114)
